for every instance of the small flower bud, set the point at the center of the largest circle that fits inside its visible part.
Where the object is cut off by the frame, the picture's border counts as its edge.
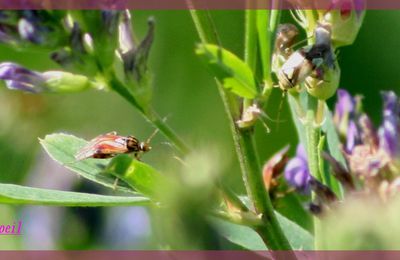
(134, 56)
(297, 172)
(325, 83)
(17, 77)
(20, 78)
(64, 82)
(345, 18)
(389, 138)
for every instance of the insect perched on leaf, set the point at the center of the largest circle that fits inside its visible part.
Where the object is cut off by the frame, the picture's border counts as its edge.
(111, 144)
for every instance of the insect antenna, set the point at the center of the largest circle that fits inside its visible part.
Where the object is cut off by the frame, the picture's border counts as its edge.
(156, 131)
(152, 136)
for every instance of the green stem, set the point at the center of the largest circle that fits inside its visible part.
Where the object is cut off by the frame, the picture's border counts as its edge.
(270, 231)
(150, 115)
(167, 132)
(313, 133)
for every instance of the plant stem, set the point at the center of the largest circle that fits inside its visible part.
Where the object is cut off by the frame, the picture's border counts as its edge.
(167, 131)
(150, 115)
(270, 231)
(313, 133)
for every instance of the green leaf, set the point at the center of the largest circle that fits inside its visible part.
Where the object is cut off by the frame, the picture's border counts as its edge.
(239, 235)
(299, 238)
(246, 237)
(234, 74)
(14, 194)
(264, 40)
(138, 175)
(63, 147)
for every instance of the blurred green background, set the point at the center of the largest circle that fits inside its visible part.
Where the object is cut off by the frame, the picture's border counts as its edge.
(184, 91)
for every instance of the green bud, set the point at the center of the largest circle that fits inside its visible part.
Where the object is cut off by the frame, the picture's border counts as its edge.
(324, 85)
(65, 82)
(344, 25)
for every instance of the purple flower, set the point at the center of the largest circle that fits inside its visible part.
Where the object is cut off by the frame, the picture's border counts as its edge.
(345, 118)
(20, 78)
(297, 173)
(388, 132)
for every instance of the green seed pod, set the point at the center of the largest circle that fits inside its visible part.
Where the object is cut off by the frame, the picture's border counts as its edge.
(65, 82)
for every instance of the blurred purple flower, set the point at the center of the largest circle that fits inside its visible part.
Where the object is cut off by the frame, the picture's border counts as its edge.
(20, 78)
(297, 173)
(388, 132)
(345, 118)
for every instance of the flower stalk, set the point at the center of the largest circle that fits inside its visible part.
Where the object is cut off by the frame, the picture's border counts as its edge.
(270, 230)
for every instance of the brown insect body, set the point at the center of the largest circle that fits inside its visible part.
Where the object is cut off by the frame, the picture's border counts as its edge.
(306, 61)
(110, 145)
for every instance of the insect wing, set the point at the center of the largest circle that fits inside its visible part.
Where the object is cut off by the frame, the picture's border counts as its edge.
(103, 146)
(294, 70)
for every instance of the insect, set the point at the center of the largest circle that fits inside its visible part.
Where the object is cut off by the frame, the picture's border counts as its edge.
(285, 38)
(111, 144)
(305, 61)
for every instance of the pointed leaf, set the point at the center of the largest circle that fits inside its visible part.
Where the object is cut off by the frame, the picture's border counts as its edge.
(234, 73)
(63, 147)
(299, 238)
(15, 194)
(239, 235)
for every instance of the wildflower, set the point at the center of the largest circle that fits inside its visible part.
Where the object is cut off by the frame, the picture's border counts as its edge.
(374, 158)
(389, 131)
(346, 113)
(297, 172)
(20, 78)
(131, 65)
(344, 17)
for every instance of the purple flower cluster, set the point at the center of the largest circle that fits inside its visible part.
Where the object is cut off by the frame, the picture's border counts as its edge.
(372, 154)
(369, 152)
